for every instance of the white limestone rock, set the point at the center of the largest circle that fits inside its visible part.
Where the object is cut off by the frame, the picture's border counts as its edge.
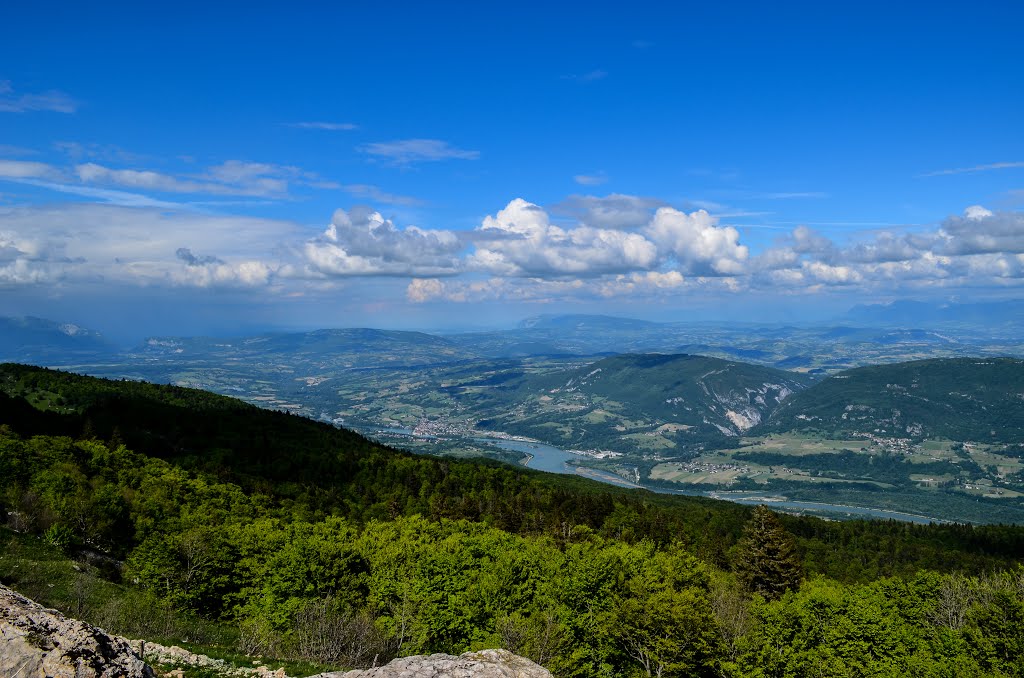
(482, 664)
(36, 642)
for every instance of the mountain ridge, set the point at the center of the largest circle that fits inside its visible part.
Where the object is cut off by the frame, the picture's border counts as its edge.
(30, 338)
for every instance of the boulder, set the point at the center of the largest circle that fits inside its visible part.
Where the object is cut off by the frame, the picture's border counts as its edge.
(482, 664)
(36, 642)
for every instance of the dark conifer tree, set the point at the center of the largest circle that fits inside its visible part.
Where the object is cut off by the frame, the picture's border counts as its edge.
(766, 560)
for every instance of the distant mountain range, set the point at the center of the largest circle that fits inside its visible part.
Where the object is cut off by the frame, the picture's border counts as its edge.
(868, 335)
(346, 348)
(588, 323)
(36, 339)
(907, 313)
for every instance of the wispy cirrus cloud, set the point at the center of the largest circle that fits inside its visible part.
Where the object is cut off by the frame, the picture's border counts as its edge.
(404, 152)
(238, 177)
(326, 126)
(9, 150)
(595, 179)
(589, 76)
(376, 194)
(233, 177)
(52, 100)
(230, 178)
(107, 196)
(79, 150)
(793, 195)
(92, 173)
(747, 194)
(27, 169)
(976, 168)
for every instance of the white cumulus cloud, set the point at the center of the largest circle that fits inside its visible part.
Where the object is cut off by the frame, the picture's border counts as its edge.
(532, 246)
(519, 253)
(697, 243)
(425, 289)
(362, 242)
(611, 211)
(980, 231)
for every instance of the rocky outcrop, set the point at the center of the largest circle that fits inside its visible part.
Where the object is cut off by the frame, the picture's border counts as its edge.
(164, 656)
(482, 664)
(36, 642)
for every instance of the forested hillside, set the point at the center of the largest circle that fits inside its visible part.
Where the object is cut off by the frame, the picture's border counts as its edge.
(622, 402)
(964, 399)
(295, 538)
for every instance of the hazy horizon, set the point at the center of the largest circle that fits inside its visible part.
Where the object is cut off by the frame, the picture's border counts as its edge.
(126, 336)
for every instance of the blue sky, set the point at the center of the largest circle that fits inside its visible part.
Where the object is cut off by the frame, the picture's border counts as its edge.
(182, 168)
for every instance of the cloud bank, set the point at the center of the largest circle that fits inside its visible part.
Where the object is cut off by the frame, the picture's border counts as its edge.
(609, 247)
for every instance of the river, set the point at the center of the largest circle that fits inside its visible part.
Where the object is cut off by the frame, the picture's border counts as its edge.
(544, 457)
